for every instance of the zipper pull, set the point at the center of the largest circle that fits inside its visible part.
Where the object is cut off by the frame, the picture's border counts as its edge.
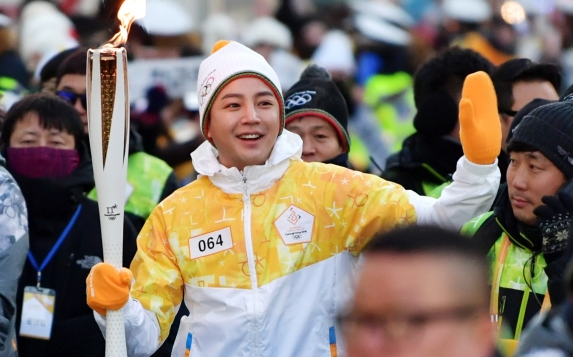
(245, 187)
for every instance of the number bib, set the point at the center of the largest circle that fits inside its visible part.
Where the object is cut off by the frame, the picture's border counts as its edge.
(37, 312)
(210, 243)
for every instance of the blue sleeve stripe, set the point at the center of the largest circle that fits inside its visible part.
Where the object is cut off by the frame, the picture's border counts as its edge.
(189, 341)
(332, 335)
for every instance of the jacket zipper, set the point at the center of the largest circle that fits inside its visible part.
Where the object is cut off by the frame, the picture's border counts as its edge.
(248, 238)
(250, 257)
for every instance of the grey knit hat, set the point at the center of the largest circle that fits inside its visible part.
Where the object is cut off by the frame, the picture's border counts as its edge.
(549, 129)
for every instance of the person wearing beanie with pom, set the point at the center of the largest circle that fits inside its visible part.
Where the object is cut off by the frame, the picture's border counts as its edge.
(262, 246)
(525, 235)
(316, 111)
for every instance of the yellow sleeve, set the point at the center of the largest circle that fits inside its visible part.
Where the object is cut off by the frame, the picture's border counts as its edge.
(372, 205)
(158, 283)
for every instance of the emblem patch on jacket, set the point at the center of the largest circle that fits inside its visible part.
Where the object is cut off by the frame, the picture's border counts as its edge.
(295, 225)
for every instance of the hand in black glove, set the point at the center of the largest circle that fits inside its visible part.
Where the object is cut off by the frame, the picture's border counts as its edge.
(554, 221)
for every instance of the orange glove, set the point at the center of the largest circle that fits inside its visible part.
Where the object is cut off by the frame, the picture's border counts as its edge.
(107, 288)
(480, 128)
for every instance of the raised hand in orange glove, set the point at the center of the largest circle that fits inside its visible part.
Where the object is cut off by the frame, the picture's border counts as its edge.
(480, 128)
(107, 288)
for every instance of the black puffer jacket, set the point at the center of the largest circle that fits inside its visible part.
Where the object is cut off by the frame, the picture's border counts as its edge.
(51, 204)
(423, 160)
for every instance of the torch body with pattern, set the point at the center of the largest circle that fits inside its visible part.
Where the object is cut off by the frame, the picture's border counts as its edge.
(108, 123)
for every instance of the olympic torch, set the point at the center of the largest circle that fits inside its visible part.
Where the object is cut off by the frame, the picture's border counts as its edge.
(108, 126)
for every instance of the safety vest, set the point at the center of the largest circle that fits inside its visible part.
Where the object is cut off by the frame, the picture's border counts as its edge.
(510, 269)
(146, 176)
(392, 98)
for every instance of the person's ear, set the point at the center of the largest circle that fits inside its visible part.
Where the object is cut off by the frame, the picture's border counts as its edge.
(207, 126)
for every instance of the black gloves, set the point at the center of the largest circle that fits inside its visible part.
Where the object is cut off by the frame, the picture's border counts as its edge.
(554, 221)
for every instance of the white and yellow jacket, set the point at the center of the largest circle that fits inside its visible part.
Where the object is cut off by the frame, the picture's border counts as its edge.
(264, 257)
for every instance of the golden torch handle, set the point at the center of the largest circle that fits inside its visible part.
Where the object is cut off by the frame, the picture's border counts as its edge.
(108, 123)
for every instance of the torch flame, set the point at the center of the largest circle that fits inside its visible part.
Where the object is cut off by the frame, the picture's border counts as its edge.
(129, 11)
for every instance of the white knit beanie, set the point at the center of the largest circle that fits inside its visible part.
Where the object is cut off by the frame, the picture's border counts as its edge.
(229, 61)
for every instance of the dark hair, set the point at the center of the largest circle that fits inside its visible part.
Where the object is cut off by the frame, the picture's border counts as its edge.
(75, 63)
(50, 69)
(517, 70)
(52, 111)
(424, 239)
(441, 243)
(447, 71)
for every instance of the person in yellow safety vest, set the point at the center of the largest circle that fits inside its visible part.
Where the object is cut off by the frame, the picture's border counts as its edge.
(391, 98)
(428, 157)
(525, 236)
(262, 245)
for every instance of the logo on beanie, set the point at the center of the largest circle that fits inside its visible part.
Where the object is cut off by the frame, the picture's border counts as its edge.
(565, 154)
(206, 87)
(299, 98)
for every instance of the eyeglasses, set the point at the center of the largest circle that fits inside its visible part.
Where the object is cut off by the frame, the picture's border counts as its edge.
(72, 97)
(398, 327)
(508, 112)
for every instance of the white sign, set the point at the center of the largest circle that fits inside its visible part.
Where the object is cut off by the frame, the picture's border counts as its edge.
(177, 75)
(210, 243)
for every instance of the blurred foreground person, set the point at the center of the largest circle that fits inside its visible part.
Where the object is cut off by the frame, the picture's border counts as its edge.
(261, 245)
(527, 259)
(316, 111)
(42, 139)
(13, 248)
(422, 292)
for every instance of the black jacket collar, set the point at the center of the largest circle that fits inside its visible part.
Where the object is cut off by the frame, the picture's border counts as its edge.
(520, 234)
(340, 160)
(418, 152)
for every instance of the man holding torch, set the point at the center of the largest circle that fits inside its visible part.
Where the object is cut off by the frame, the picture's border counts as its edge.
(262, 245)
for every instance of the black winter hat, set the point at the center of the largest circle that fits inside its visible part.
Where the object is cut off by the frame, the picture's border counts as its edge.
(549, 129)
(315, 94)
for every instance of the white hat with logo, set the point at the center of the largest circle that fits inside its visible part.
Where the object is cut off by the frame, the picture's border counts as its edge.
(229, 61)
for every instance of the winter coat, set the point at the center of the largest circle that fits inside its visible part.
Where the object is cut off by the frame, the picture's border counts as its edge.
(424, 165)
(527, 274)
(264, 257)
(13, 249)
(51, 204)
(549, 335)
